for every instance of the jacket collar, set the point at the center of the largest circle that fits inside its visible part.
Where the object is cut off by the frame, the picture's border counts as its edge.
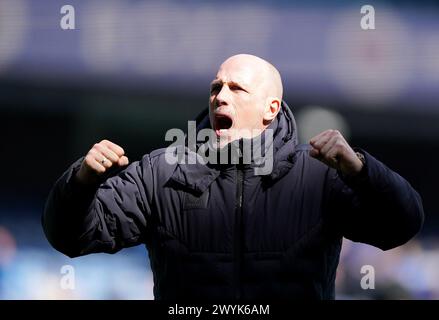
(198, 176)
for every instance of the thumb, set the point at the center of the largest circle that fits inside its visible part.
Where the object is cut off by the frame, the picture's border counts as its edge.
(123, 161)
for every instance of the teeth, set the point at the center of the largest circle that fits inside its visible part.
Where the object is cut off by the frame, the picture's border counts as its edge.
(223, 130)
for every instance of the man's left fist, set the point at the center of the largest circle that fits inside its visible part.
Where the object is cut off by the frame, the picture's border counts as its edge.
(331, 148)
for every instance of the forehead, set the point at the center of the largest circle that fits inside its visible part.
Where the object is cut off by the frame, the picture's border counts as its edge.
(242, 73)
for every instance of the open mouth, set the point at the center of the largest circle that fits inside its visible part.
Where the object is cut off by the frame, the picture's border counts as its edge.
(222, 123)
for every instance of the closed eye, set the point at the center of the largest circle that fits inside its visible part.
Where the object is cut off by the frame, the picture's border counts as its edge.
(235, 87)
(232, 86)
(215, 88)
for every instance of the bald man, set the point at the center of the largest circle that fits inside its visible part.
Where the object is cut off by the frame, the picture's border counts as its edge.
(248, 90)
(220, 231)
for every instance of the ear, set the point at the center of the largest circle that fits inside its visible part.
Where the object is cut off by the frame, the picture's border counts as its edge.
(272, 108)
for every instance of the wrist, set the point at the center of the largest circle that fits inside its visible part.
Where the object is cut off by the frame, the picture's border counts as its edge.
(361, 163)
(357, 166)
(81, 178)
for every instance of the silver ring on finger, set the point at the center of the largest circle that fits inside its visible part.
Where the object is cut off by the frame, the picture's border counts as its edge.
(103, 160)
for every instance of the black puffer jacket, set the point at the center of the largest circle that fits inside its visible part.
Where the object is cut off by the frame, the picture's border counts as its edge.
(220, 232)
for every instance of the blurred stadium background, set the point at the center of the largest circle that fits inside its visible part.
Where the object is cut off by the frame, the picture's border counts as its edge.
(134, 69)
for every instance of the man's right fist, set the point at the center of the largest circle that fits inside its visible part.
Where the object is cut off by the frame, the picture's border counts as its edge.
(99, 159)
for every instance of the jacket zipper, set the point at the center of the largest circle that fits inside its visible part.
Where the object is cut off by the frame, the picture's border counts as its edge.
(238, 232)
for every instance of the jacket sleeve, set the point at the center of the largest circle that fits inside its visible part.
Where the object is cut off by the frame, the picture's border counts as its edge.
(377, 207)
(105, 217)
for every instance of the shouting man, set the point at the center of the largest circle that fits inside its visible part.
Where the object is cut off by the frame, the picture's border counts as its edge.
(220, 231)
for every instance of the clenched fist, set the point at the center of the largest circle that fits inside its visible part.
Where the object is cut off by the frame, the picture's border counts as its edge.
(331, 148)
(99, 159)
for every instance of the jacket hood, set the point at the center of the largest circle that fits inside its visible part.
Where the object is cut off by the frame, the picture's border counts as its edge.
(198, 176)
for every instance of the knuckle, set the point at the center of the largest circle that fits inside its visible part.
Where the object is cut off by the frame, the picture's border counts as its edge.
(91, 157)
(88, 159)
(92, 152)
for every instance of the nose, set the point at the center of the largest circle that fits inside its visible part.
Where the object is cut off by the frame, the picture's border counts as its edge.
(222, 97)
